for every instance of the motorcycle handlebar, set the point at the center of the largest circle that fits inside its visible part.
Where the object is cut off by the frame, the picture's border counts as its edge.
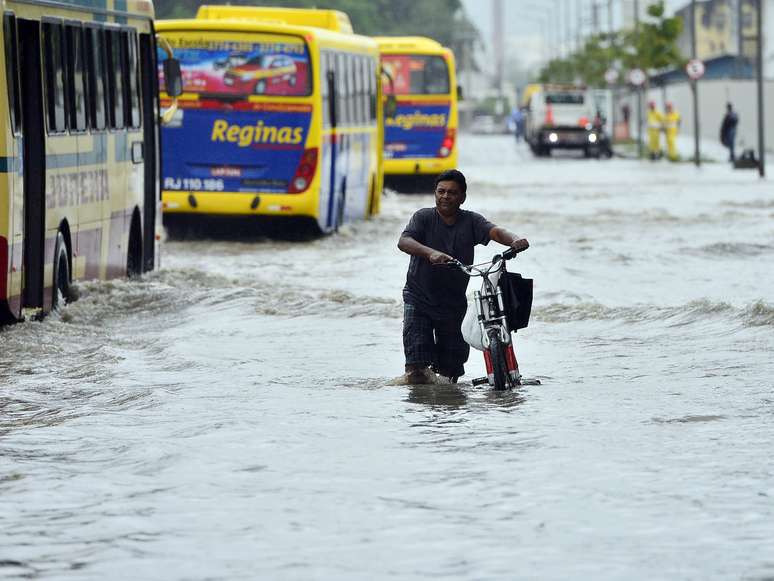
(511, 253)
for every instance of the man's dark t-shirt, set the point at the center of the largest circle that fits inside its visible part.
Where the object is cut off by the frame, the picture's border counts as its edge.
(440, 290)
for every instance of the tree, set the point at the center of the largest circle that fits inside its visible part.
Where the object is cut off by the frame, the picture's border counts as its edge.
(653, 48)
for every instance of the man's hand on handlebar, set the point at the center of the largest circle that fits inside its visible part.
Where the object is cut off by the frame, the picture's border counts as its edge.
(436, 257)
(520, 245)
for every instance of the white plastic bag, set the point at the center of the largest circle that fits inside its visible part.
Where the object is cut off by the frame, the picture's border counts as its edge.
(471, 330)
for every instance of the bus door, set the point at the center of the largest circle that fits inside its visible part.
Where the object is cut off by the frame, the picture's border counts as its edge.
(34, 161)
(334, 107)
(148, 80)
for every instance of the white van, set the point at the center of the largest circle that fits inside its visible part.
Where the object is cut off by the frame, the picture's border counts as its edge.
(563, 117)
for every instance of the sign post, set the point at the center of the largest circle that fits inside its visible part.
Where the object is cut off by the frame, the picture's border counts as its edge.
(637, 77)
(695, 69)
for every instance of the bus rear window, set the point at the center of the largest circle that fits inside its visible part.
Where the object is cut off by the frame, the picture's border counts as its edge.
(416, 74)
(215, 66)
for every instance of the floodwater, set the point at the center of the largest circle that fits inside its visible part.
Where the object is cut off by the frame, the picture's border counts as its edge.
(232, 415)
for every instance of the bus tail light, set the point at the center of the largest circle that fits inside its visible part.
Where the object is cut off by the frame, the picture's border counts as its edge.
(448, 144)
(304, 172)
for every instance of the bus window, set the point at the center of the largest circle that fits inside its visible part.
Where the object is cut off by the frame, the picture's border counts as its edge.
(130, 40)
(323, 67)
(76, 87)
(12, 71)
(357, 70)
(351, 66)
(372, 89)
(343, 74)
(115, 79)
(364, 92)
(53, 65)
(417, 74)
(96, 76)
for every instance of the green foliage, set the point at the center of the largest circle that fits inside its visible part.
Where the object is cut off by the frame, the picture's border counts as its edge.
(438, 19)
(653, 48)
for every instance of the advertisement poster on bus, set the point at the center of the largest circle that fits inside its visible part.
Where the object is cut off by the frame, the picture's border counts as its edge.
(271, 65)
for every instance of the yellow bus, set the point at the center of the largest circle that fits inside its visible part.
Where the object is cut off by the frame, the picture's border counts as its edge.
(278, 120)
(79, 186)
(420, 138)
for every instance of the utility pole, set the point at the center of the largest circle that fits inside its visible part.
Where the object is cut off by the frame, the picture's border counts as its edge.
(567, 34)
(578, 25)
(614, 87)
(759, 66)
(497, 43)
(610, 16)
(639, 87)
(695, 90)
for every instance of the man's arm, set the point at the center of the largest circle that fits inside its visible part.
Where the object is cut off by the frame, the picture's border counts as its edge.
(410, 246)
(506, 238)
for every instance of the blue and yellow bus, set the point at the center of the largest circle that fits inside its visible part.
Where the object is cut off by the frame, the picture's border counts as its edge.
(279, 118)
(420, 138)
(79, 161)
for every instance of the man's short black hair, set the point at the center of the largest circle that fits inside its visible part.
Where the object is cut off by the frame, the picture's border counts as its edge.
(452, 175)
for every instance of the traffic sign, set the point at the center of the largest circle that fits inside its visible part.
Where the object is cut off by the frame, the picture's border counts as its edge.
(611, 76)
(637, 77)
(695, 69)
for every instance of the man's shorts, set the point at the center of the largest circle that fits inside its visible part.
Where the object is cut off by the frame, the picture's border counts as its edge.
(434, 341)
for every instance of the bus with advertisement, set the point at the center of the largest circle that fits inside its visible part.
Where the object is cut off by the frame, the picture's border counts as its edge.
(278, 122)
(420, 135)
(79, 159)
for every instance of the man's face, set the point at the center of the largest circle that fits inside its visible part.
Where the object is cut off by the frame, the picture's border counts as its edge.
(448, 197)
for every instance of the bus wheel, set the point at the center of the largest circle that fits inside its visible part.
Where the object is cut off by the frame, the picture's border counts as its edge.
(260, 87)
(134, 255)
(61, 291)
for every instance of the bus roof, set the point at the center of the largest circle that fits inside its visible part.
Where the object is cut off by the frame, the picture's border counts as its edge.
(321, 36)
(333, 20)
(408, 44)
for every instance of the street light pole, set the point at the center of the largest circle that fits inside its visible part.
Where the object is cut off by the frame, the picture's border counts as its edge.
(695, 90)
(759, 66)
(639, 87)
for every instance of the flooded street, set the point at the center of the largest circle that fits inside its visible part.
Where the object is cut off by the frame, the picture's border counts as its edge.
(231, 415)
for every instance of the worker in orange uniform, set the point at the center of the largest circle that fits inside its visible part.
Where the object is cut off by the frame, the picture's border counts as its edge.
(671, 125)
(655, 126)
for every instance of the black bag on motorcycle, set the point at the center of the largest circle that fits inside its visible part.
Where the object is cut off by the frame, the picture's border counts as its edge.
(517, 298)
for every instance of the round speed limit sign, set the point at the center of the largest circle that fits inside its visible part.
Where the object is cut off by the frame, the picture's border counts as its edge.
(694, 69)
(637, 77)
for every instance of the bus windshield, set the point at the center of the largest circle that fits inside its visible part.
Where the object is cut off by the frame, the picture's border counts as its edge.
(416, 74)
(267, 64)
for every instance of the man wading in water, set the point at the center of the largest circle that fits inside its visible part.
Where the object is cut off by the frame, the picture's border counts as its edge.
(434, 297)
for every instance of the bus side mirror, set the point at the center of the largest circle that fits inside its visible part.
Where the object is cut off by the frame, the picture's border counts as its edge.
(173, 78)
(390, 106)
(460, 96)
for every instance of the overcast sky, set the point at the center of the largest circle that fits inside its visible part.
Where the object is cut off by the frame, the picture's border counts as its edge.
(531, 30)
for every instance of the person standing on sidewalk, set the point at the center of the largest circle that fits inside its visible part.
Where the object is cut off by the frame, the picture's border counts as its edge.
(655, 126)
(728, 131)
(671, 126)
